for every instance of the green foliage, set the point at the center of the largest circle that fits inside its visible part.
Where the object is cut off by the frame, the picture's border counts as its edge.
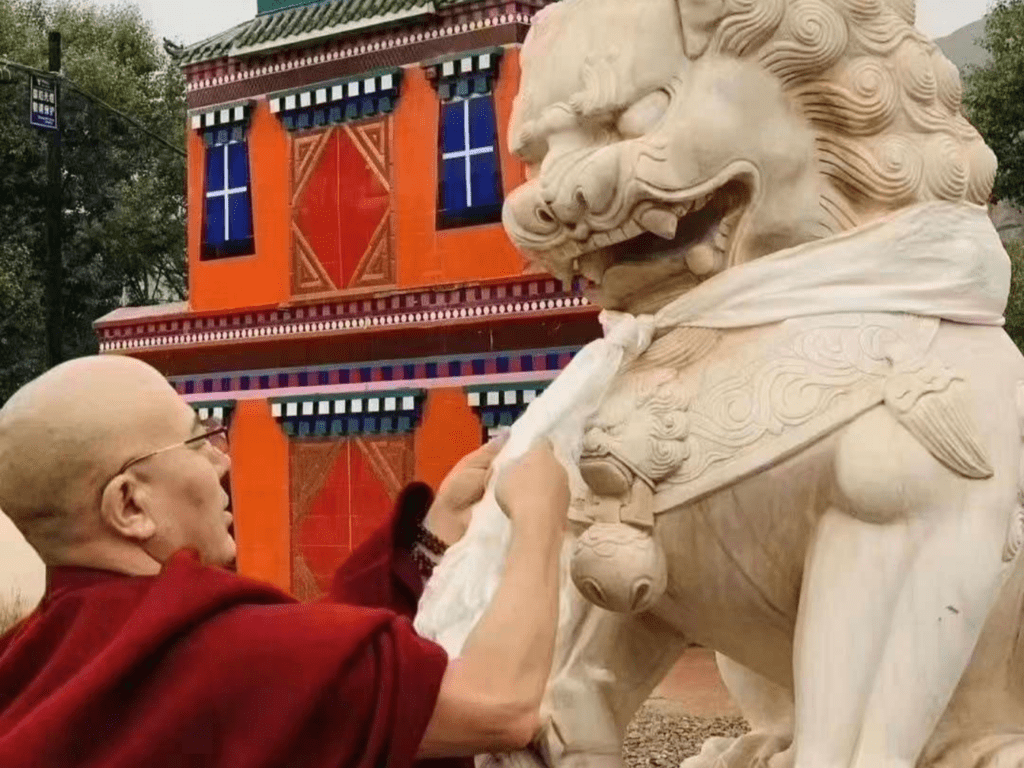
(123, 192)
(994, 96)
(1015, 307)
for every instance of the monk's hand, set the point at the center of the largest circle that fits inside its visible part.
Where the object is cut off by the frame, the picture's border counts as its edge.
(534, 489)
(464, 486)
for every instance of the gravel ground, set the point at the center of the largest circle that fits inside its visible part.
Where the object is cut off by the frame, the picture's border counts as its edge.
(660, 736)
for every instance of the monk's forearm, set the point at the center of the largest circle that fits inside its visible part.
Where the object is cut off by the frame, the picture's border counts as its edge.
(511, 649)
(490, 696)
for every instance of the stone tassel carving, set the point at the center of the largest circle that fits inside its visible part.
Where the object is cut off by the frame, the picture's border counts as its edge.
(931, 402)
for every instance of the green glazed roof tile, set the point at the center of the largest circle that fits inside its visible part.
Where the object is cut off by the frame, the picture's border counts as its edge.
(302, 20)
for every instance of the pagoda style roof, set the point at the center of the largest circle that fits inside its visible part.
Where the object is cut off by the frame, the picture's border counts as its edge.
(307, 24)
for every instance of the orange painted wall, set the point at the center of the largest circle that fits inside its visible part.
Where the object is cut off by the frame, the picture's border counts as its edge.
(448, 431)
(259, 492)
(265, 277)
(427, 256)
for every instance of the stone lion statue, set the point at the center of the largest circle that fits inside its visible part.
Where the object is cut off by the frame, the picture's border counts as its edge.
(815, 466)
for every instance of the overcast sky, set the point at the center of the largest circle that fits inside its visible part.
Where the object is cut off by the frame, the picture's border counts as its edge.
(189, 21)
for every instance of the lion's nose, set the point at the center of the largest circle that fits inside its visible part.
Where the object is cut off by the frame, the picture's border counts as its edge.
(563, 199)
(589, 189)
(528, 219)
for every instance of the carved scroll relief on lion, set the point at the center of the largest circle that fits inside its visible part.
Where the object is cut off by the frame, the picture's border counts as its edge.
(812, 463)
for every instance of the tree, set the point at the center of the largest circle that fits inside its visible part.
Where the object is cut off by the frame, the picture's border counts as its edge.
(994, 96)
(1015, 306)
(123, 192)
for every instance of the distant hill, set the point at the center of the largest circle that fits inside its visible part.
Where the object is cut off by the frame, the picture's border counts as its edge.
(963, 47)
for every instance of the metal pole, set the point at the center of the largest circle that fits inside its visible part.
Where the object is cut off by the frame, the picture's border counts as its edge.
(54, 224)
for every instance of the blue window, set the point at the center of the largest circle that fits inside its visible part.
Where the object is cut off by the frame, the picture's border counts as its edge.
(470, 173)
(227, 220)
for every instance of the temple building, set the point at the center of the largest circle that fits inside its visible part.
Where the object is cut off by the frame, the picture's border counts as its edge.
(356, 312)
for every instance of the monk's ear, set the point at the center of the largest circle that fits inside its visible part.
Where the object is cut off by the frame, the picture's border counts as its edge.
(125, 509)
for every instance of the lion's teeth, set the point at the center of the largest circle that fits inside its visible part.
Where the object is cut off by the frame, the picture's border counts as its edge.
(661, 223)
(631, 229)
(721, 240)
(601, 239)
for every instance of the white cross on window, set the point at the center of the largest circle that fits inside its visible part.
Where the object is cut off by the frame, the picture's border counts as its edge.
(466, 152)
(226, 192)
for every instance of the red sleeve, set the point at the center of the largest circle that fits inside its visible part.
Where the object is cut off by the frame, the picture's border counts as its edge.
(380, 572)
(319, 686)
(197, 667)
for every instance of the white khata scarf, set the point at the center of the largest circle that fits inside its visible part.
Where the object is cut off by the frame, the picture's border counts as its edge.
(939, 260)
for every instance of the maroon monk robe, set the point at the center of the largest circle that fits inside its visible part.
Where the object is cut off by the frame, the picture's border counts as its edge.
(380, 572)
(200, 668)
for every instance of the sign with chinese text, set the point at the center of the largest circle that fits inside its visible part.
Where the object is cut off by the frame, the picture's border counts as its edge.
(44, 103)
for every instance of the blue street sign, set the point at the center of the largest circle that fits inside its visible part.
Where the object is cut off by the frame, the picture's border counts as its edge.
(44, 103)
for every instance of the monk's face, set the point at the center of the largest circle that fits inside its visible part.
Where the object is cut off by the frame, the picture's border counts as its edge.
(182, 490)
(117, 481)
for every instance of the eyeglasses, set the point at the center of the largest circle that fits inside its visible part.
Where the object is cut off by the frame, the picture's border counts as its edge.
(216, 434)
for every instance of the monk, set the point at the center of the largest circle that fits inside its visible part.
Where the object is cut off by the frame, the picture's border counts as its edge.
(145, 651)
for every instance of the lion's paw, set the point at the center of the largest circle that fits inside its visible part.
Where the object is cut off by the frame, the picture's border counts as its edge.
(754, 750)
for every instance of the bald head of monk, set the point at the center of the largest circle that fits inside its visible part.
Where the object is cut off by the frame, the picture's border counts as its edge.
(64, 439)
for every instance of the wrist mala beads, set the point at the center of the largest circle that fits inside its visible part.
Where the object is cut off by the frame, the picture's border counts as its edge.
(427, 551)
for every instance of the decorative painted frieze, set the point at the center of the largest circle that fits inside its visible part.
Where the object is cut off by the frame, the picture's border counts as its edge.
(394, 412)
(499, 405)
(340, 101)
(515, 371)
(460, 75)
(174, 326)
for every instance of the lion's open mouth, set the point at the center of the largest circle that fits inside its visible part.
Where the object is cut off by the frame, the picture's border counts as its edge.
(699, 228)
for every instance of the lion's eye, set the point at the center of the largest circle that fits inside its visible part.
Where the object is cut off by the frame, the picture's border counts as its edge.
(644, 115)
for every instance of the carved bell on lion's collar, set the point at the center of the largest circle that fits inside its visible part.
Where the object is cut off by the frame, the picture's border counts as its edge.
(619, 567)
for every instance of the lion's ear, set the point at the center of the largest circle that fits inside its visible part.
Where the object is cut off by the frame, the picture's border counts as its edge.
(907, 10)
(698, 19)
